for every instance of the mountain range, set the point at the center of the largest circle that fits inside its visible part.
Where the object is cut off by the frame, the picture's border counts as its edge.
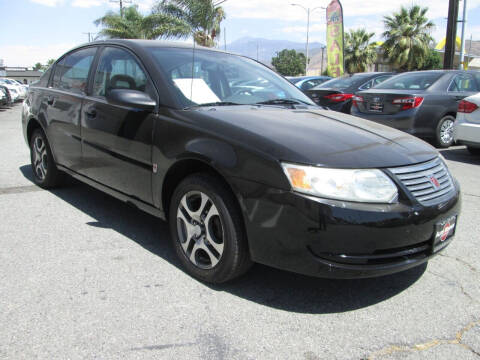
(248, 46)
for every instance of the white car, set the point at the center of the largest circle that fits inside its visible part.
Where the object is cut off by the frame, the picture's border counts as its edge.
(466, 130)
(17, 90)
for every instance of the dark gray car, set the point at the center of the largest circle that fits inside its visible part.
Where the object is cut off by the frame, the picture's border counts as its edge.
(422, 103)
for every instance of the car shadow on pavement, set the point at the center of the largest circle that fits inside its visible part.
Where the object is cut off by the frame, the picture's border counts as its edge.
(263, 285)
(460, 155)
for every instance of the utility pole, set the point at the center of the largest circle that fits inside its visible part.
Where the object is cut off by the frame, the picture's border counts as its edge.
(449, 55)
(461, 66)
(121, 2)
(90, 35)
(225, 38)
(257, 50)
(308, 10)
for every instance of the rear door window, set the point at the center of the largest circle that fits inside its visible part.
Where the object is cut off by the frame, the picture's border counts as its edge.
(71, 73)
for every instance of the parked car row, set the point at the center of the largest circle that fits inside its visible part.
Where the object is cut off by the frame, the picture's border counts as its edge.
(421, 103)
(13, 91)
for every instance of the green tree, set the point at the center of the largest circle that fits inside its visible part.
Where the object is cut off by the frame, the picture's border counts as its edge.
(49, 63)
(289, 62)
(407, 38)
(433, 61)
(134, 25)
(359, 51)
(37, 66)
(202, 17)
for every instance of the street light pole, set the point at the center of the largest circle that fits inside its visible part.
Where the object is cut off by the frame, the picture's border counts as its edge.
(308, 10)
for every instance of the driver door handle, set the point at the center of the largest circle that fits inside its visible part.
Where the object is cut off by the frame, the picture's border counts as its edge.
(91, 113)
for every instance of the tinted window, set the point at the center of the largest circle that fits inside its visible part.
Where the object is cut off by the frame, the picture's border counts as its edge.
(411, 81)
(118, 69)
(71, 73)
(343, 82)
(207, 76)
(463, 82)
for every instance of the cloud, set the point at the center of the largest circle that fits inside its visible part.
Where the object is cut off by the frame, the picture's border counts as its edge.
(51, 3)
(282, 9)
(27, 56)
(87, 3)
(303, 29)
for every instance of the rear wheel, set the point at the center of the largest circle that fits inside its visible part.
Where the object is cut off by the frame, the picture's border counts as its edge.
(444, 132)
(207, 230)
(45, 172)
(473, 151)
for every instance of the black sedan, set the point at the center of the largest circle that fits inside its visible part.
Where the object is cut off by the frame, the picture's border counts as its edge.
(422, 103)
(242, 177)
(337, 94)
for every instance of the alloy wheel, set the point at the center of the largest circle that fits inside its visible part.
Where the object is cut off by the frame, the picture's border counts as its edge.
(200, 230)
(446, 131)
(40, 158)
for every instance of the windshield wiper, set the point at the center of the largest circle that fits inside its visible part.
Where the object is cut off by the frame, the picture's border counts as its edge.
(283, 102)
(217, 103)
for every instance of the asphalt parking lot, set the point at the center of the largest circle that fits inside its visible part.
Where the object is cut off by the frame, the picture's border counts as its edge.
(83, 275)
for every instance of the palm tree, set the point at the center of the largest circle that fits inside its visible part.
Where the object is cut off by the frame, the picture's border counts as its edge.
(407, 37)
(134, 25)
(359, 51)
(203, 17)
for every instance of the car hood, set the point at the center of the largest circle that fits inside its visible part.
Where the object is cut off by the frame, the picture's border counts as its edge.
(313, 136)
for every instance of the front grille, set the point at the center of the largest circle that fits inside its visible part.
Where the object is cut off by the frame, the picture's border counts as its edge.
(420, 181)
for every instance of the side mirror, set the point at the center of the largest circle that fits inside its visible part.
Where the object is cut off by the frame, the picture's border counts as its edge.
(131, 98)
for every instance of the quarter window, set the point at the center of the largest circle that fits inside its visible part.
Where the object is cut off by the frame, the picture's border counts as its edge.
(71, 73)
(118, 69)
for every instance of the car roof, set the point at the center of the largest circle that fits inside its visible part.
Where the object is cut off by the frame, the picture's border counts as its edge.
(135, 43)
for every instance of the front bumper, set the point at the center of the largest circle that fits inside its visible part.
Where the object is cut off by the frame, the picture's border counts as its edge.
(337, 239)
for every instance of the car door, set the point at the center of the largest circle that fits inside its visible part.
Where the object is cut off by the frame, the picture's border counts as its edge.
(117, 140)
(63, 101)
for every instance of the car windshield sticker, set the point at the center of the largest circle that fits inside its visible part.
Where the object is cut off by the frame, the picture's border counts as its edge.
(196, 90)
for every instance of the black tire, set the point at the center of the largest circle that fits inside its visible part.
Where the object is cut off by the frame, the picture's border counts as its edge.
(473, 150)
(440, 141)
(234, 259)
(45, 172)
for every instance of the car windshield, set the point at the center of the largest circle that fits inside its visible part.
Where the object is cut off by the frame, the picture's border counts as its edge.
(411, 81)
(215, 78)
(343, 82)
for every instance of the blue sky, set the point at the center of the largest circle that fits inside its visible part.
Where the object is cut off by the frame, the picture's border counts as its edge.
(36, 30)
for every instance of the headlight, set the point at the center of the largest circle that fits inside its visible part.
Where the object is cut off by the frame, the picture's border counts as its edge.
(368, 185)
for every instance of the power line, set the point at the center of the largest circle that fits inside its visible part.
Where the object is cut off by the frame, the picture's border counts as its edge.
(121, 2)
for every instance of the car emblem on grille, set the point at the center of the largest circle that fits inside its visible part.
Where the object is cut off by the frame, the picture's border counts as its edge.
(434, 182)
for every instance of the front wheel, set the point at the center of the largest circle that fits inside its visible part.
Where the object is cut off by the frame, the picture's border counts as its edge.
(207, 229)
(444, 132)
(45, 172)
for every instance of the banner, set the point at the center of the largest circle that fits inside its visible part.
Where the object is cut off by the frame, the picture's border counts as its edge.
(335, 64)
